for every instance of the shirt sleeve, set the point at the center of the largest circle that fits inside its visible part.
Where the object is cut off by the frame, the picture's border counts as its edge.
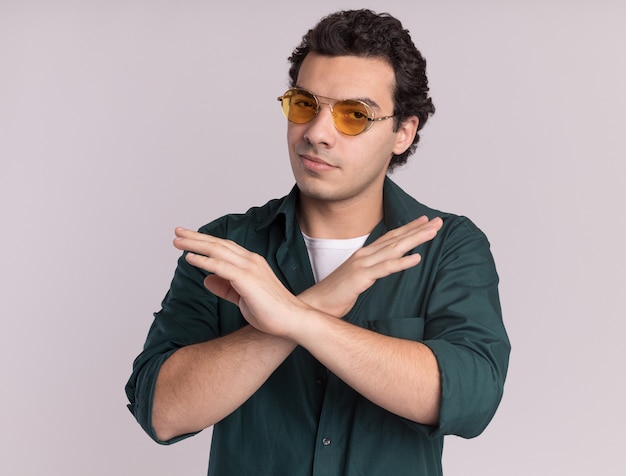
(465, 331)
(188, 315)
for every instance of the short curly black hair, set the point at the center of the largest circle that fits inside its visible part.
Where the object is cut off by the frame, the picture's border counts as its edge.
(368, 34)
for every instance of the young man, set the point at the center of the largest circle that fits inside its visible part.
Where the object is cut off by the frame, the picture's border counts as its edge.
(345, 328)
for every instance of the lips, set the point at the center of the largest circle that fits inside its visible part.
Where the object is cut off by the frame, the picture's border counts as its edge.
(315, 164)
(312, 158)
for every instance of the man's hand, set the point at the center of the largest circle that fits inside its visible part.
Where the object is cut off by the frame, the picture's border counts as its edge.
(338, 292)
(245, 279)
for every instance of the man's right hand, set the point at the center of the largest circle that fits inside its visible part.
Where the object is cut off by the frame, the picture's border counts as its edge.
(338, 292)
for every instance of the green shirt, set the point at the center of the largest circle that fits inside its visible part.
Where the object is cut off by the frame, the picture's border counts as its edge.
(306, 421)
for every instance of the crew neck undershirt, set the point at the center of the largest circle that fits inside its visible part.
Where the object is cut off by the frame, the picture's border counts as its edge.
(326, 255)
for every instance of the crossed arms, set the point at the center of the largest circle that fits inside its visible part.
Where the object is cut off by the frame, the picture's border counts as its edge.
(200, 384)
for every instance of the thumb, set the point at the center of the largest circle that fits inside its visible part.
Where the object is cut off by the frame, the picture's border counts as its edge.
(221, 288)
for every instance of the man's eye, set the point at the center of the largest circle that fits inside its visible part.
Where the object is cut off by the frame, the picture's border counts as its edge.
(304, 104)
(355, 115)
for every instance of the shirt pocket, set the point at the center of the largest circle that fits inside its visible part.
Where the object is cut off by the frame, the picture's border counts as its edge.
(411, 328)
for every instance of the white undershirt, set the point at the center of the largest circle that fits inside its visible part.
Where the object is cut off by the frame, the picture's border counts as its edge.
(327, 255)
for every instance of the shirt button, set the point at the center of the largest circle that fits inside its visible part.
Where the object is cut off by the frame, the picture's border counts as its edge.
(326, 442)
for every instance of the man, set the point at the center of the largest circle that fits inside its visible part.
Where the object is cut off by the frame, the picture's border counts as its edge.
(345, 328)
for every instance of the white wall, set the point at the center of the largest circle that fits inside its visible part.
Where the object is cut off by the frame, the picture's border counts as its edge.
(118, 121)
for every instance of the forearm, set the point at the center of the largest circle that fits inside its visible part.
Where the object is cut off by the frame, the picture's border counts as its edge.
(399, 375)
(202, 383)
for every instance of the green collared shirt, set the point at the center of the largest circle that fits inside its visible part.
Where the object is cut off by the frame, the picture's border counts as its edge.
(304, 420)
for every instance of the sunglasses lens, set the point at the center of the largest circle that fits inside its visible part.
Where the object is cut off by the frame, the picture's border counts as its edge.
(351, 117)
(299, 106)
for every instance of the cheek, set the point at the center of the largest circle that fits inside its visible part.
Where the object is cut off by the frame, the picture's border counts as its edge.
(294, 133)
(378, 149)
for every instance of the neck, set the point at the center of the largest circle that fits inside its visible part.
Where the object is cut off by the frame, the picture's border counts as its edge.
(339, 220)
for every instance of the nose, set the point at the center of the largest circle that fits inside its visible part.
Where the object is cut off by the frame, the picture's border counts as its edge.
(330, 107)
(321, 130)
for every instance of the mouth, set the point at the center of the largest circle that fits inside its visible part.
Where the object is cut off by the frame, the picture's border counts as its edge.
(314, 163)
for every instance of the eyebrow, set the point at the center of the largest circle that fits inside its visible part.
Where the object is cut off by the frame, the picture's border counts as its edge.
(369, 101)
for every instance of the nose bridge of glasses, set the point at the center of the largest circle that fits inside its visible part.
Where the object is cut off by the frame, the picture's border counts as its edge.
(326, 102)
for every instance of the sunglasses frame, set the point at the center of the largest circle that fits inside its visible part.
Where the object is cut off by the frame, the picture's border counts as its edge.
(371, 116)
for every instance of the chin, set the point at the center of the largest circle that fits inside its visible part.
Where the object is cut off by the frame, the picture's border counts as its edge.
(312, 191)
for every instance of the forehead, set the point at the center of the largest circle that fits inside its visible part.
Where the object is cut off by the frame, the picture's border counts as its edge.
(343, 77)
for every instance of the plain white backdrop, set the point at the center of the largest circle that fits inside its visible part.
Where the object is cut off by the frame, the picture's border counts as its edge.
(120, 120)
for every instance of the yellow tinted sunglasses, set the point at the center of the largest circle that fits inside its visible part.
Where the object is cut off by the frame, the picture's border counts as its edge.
(351, 116)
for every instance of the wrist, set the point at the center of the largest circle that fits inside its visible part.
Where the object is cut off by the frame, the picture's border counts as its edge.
(318, 298)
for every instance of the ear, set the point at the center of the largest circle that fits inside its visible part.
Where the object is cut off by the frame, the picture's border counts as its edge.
(405, 134)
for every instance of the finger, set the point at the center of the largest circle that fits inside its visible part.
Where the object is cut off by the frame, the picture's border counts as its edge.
(201, 243)
(404, 231)
(388, 267)
(186, 239)
(192, 234)
(416, 226)
(217, 259)
(401, 230)
(391, 266)
(397, 246)
(416, 236)
(221, 288)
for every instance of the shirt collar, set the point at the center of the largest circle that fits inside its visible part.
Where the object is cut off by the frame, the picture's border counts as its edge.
(399, 207)
(285, 207)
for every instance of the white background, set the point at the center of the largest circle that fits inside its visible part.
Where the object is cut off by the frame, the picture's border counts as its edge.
(121, 119)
